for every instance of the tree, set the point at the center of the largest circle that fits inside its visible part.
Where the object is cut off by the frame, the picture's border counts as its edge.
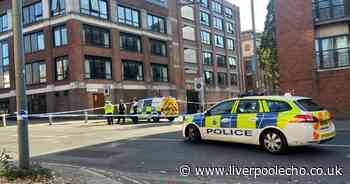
(268, 52)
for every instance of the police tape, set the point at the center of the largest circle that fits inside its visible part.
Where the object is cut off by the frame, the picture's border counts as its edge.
(72, 113)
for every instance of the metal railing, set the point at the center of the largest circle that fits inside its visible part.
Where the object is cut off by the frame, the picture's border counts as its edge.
(335, 58)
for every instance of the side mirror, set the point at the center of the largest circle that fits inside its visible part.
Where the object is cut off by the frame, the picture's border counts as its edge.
(207, 113)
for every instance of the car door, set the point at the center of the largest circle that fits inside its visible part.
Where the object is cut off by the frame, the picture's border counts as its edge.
(218, 120)
(247, 119)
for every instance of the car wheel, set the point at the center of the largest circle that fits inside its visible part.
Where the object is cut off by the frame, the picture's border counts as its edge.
(135, 120)
(193, 134)
(171, 119)
(273, 141)
(155, 120)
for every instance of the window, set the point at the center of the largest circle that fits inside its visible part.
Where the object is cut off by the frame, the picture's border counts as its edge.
(96, 8)
(216, 7)
(218, 23)
(4, 23)
(205, 37)
(219, 41)
(4, 65)
(204, 3)
(308, 105)
(230, 28)
(62, 68)
(248, 106)
(96, 36)
(230, 44)
(207, 58)
(4, 106)
(36, 73)
(128, 16)
(155, 23)
(37, 103)
(160, 73)
(57, 7)
(187, 12)
(222, 108)
(222, 79)
(158, 47)
(98, 67)
(132, 70)
(228, 12)
(221, 60)
(205, 19)
(328, 9)
(130, 42)
(209, 77)
(278, 106)
(60, 36)
(190, 55)
(332, 52)
(232, 62)
(188, 33)
(234, 79)
(34, 42)
(32, 13)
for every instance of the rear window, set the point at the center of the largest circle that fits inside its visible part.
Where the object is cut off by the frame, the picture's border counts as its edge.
(308, 105)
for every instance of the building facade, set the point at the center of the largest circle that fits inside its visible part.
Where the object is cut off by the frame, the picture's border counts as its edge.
(79, 53)
(313, 51)
(211, 49)
(248, 67)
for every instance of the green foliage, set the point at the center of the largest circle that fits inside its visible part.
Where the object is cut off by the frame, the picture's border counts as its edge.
(268, 51)
(10, 171)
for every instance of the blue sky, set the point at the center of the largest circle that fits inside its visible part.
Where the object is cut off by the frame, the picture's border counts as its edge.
(260, 13)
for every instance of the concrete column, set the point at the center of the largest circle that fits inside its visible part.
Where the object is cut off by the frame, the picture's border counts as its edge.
(143, 19)
(9, 15)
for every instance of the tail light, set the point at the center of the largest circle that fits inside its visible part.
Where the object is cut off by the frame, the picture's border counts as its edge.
(304, 118)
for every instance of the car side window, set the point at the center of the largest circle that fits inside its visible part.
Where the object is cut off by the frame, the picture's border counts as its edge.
(278, 106)
(248, 106)
(222, 108)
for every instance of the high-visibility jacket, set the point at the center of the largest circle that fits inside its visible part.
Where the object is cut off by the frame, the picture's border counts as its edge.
(109, 108)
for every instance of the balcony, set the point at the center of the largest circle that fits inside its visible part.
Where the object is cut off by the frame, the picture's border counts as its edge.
(328, 10)
(333, 59)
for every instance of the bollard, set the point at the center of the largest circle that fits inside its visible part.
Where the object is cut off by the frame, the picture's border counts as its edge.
(86, 117)
(4, 120)
(50, 119)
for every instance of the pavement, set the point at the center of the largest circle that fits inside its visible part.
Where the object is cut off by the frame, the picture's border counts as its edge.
(145, 153)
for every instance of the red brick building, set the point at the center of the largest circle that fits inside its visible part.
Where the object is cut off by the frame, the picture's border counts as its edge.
(313, 51)
(80, 53)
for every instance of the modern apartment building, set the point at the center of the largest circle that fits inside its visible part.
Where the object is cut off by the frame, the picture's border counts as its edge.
(211, 49)
(313, 51)
(79, 53)
(248, 67)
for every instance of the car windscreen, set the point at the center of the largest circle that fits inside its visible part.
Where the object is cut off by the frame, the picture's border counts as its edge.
(308, 105)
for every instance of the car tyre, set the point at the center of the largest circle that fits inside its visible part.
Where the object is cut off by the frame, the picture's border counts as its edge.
(135, 120)
(274, 142)
(193, 134)
(171, 119)
(156, 120)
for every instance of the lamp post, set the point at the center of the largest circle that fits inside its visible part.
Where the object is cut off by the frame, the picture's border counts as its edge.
(21, 98)
(255, 57)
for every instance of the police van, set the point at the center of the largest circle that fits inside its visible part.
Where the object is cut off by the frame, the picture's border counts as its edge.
(274, 122)
(155, 109)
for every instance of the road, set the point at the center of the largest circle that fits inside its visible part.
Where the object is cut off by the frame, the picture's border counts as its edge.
(153, 154)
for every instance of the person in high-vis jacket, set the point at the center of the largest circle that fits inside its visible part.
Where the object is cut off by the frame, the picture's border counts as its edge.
(121, 111)
(109, 110)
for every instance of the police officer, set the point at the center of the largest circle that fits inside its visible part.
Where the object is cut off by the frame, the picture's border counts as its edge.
(121, 111)
(133, 109)
(109, 110)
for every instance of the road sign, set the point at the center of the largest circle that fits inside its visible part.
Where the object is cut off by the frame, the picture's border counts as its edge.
(198, 84)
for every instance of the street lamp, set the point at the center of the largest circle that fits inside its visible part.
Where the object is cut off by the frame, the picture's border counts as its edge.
(255, 57)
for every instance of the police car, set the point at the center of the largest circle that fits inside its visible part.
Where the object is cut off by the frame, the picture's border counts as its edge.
(274, 122)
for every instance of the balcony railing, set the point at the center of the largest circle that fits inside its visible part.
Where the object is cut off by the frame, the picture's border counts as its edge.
(324, 10)
(331, 59)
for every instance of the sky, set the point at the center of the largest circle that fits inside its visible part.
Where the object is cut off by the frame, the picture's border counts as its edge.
(260, 13)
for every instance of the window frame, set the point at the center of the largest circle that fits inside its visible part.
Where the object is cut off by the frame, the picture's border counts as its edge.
(138, 64)
(97, 60)
(60, 28)
(91, 11)
(130, 47)
(124, 20)
(65, 74)
(154, 19)
(161, 66)
(245, 100)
